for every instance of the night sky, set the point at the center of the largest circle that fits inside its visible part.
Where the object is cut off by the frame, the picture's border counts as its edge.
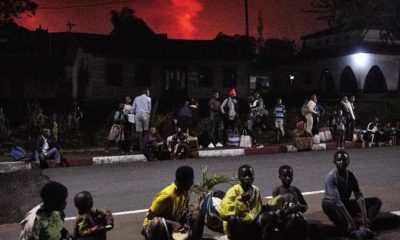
(187, 19)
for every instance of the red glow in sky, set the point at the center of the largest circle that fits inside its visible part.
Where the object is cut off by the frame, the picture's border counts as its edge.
(187, 19)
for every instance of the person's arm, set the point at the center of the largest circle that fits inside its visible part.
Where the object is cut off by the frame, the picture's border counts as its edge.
(228, 204)
(311, 107)
(303, 206)
(134, 106)
(83, 228)
(359, 198)
(223, 106)
(149, 104)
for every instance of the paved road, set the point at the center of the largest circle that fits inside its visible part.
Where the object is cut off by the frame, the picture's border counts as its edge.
(128, 187)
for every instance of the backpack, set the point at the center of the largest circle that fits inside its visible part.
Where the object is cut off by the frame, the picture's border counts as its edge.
(19, 154)
(209, 208)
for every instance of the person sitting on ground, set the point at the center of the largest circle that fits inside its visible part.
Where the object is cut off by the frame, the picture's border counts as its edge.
(241, 210)
(47, 148)
(374, 133)
(340, 183)
(46, 221)
(178, 144)
(91, 223)
(291, 206)
(153, 145)
(170, 213)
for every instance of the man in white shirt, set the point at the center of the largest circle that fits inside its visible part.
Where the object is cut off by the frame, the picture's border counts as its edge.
(311, 111)
(142, 109)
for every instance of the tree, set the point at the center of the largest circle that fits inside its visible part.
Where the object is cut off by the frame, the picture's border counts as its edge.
(11, 9)
(127, 25)
(360, 14)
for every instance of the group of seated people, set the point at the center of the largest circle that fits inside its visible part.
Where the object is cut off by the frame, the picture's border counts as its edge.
(156, 148)
(242, 214)
(376, 134)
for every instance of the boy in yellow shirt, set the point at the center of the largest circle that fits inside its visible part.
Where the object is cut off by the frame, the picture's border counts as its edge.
(169, 212)
(241, 210)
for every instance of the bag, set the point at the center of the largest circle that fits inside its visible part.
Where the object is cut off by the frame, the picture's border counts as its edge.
(131, 118)
(316, 139)
(234, 138)
(303, 143)
(209, 208)
(245, 140)
(18, 153)
(325, 135)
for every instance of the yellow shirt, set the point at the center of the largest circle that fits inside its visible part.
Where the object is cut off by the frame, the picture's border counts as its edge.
(232, 205)
(168, 204)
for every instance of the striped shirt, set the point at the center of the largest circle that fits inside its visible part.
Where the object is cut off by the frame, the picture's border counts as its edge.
(279, 111)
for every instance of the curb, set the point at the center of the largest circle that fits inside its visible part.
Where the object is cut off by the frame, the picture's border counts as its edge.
(88, 160)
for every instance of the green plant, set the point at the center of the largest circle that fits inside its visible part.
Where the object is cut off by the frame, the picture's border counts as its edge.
(207, 184)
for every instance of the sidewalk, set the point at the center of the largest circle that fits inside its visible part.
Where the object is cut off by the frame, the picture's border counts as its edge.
(96, 156)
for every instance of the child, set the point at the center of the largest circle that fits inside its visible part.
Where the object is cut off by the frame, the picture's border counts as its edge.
(91, 222)
(340, 123)
(46, 221)
(289, 203)
(280, 112)
(241, 207)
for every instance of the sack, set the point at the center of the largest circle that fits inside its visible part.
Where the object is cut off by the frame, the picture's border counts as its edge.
(131, 118)
(234, 138)
(209, 208)
(245, 140)
(325, 135)
(303, 143)
(316, 139)
(18, 153)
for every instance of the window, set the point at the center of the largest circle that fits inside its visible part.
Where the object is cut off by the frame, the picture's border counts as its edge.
(143, 75)
(230, 77)
(206, 77)
(114, 75)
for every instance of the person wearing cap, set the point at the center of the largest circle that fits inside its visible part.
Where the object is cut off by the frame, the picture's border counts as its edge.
(340, 183)
(170, 213)
(229, 109)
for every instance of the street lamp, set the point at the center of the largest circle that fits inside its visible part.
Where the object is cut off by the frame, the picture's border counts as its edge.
(360, 59)
(291, 78)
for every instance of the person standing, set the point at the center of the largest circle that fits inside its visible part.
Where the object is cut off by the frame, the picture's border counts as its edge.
(116, 133)
(348, 113)
(229, 109)
(352, 122)
(257, 111)
(214, 105)
(340, 124)
(129, 123)
(280, 114)
(142, 109)
(311, 112)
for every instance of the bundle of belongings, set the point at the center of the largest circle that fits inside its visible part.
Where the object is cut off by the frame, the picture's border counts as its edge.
(301, 140)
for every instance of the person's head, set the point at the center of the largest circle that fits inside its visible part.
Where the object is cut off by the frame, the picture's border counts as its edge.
(314, 97)
(54, 196)
(341, 160)
(128, 100)
(46, 132)
(232, 92)
(256, 95)
(216, 94)
(121, 106)
(186, 103)
(339, 112)
(376, 119)
(83, 201)
(279, 101)
(344, 99)
(152, 130)
(146, 92)
(184, 178)
(352, 98)
(286, 175)
(246, 176)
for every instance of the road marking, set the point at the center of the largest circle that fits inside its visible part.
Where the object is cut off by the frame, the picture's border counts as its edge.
(304, 193)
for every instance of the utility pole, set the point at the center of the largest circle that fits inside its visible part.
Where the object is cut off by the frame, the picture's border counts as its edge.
(70, 25)
(246, 12)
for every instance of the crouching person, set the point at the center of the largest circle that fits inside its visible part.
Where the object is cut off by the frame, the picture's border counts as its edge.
(46, 221)
(241, 210)
(289, 204)
(340, 183)
(169, 214)
(91, 223)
